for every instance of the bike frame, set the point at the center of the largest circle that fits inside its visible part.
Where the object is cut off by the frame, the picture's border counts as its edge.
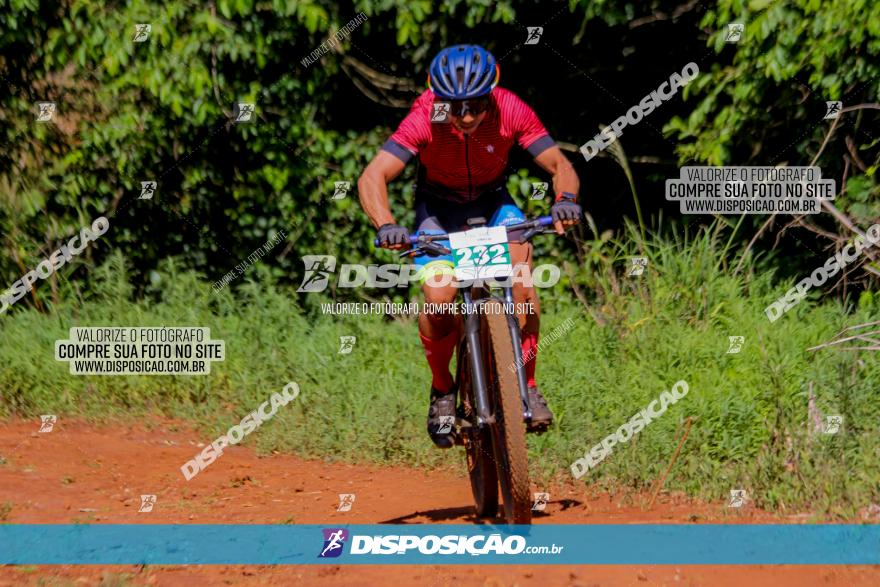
(471, 322)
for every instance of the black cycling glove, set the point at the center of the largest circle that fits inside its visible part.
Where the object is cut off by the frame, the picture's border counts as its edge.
(566, 209)
(392, 234)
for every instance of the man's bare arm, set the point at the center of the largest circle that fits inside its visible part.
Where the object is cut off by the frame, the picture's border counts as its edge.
(554, 162)
(565, 178)
(373, 187)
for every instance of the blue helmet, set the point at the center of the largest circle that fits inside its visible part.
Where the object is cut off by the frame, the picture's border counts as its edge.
(463, 72)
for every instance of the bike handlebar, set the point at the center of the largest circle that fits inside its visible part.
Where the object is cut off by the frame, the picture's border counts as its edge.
(540, 222)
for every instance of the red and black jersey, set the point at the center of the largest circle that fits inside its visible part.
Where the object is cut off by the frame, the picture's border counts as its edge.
(460, 167)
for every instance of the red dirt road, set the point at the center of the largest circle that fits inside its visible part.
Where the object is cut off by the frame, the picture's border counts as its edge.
(80, 473)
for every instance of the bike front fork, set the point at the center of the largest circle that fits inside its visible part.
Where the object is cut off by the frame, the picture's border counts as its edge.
(478, 379)
(516, 337)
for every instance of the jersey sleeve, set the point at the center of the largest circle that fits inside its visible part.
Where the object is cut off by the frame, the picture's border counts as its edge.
(527, 128)
(414, 131)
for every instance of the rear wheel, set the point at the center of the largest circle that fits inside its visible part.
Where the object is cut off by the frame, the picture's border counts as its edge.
(478, 446)
(509, 431)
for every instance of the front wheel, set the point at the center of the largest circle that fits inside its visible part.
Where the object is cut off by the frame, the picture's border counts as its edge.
(508, 432)
(478, 446)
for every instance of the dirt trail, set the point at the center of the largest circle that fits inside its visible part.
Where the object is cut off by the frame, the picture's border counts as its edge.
(81, 473)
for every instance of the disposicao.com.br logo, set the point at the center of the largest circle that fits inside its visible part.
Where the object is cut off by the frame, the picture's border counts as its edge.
(480, 544)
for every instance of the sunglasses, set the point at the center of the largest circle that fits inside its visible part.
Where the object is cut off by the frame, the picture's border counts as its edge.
(462, 107)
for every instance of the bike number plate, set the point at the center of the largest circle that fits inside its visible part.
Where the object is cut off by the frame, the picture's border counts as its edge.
(481, 253)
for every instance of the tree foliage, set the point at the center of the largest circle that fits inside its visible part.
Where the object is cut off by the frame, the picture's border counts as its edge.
(161, 110)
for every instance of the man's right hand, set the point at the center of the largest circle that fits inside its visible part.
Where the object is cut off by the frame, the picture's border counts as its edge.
(393, 236)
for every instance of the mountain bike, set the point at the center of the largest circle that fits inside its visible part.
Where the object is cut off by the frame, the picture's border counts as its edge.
(493, 403)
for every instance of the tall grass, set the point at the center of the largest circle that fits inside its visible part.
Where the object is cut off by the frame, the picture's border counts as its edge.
(633, 338)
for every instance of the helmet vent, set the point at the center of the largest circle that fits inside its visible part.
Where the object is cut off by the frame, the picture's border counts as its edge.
(463, 72)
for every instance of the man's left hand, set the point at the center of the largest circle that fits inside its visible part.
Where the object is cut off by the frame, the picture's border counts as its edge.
(566, 212)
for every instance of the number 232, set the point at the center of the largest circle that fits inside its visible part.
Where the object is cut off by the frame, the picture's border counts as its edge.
(481, 255)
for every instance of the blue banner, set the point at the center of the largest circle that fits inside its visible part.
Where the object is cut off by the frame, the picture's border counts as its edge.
(728, 544)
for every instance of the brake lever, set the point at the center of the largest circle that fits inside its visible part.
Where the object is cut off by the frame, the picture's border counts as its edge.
(528, 234)
(436, 249)
(427, 247)
(411, 252)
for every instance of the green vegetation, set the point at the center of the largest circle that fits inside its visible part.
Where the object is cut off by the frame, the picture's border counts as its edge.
(639, 336)
(130, 112)
(159, 110)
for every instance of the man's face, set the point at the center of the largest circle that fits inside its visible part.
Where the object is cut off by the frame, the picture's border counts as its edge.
(466, 115)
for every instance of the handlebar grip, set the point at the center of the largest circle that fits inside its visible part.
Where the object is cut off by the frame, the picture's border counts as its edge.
(413, 239)
(545, 220)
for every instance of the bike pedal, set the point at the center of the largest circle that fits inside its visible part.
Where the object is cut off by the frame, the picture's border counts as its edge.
(462, 427)
(445, 441)
(537, 427)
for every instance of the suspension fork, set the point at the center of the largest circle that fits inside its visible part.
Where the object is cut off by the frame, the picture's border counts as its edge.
(516, 337)
(478, 374)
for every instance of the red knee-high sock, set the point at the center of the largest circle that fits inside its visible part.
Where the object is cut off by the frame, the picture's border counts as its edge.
(530, 356)
(439, 353)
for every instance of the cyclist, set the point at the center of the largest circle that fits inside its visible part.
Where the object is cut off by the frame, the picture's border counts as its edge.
(463, 155)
